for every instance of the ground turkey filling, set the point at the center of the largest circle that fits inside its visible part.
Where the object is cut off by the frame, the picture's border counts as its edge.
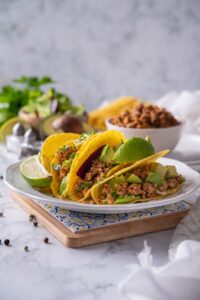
(96, 172)
(142, 190)
(66, 155)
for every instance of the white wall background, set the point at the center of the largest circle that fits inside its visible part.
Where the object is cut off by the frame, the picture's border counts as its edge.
(99, 49)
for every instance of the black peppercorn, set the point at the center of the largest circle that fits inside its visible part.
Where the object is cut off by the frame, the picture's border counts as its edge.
(46, 240)
(32, 218)
(26, 248)
(7, 242)
(35, 224)
(1, 214)
(1, 177)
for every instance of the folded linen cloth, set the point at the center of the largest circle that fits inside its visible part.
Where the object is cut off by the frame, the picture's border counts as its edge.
(177, 280)
(185, 106)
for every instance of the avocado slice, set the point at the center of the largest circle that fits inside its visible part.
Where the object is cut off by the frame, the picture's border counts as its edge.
(46, 124)
(171, 171)
(126, 199)
(107, 154)
(63, 185)
(119, 179)
(155, 178)
(159, 169)
(133, 179)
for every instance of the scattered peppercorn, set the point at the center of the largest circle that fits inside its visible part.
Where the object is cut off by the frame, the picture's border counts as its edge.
(1, 177)
(32, 218)
(46, 240)
(0, 242)
(7, 242)
(1, 214)
(35, 224)
(26, 248)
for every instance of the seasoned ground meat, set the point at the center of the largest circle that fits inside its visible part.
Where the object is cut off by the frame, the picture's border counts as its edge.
(163, 187)
(65, 152)
(97, 170)
(173, 182)
(121, 188)
(135, 189)
(145, 116)
(106, 189)
(149, 190)
(63, 172)
(142, 172)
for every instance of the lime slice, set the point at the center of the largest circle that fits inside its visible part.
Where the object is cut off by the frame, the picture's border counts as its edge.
(34, 173)
(7, 127)
(133, 150)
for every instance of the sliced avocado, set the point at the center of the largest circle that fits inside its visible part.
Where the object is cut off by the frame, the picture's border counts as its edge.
(159, 169)
(63, 185)
(119, 179)
(155, 178)
(107, 154)
(171, 171)
(133, 179)
(126, 199)
(46, 124)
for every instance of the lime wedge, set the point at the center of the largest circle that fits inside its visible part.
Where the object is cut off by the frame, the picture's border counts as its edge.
(34, 173)
(7, 127)
(133, 150)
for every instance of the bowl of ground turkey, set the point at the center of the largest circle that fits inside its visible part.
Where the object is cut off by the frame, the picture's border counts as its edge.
(144, 120)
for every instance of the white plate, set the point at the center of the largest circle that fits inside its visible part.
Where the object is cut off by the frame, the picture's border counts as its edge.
(15, 182)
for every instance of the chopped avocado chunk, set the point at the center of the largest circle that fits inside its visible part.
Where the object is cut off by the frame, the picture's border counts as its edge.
(63, 185)
(159, 169)
(155, 178)
(133, 179)
(126, 199)
(119, 179)
(67, 163)
(171, 171)
(107, 154)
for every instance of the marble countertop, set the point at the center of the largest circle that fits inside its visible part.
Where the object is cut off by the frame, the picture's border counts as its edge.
(52, 271)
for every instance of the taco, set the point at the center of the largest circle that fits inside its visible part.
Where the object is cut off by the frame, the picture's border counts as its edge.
(143, 181)
(62, 162)
(93, 163)
(50, 146)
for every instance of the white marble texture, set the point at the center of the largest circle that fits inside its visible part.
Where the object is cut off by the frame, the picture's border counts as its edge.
(55, 272)
(103, 49)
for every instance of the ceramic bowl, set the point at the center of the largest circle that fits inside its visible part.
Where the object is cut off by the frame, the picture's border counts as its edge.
(162, 138)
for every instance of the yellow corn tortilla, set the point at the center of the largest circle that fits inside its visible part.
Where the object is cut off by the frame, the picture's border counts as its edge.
(110, 137)
(96, 189)
(97, 117)
(50, 146)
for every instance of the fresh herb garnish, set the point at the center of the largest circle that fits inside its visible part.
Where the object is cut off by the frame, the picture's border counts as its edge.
(84, 185)
(72, 155)
(56, 167)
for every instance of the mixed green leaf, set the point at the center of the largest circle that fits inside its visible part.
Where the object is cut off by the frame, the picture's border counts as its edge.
(28, 94)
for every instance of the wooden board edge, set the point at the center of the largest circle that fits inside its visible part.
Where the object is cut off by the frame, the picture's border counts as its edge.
(99, 235)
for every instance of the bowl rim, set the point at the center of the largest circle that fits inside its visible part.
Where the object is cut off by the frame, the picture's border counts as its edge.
(182, 123)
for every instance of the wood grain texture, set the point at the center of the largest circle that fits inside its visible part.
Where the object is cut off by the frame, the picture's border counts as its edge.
(99, 235)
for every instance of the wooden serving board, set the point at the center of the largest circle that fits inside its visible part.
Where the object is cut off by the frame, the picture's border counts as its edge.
(98, 235)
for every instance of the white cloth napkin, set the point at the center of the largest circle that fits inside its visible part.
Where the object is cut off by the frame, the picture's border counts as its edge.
(179, 279)
(185, 106)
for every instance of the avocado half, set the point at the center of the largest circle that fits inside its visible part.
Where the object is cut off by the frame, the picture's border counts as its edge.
(46, 125)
